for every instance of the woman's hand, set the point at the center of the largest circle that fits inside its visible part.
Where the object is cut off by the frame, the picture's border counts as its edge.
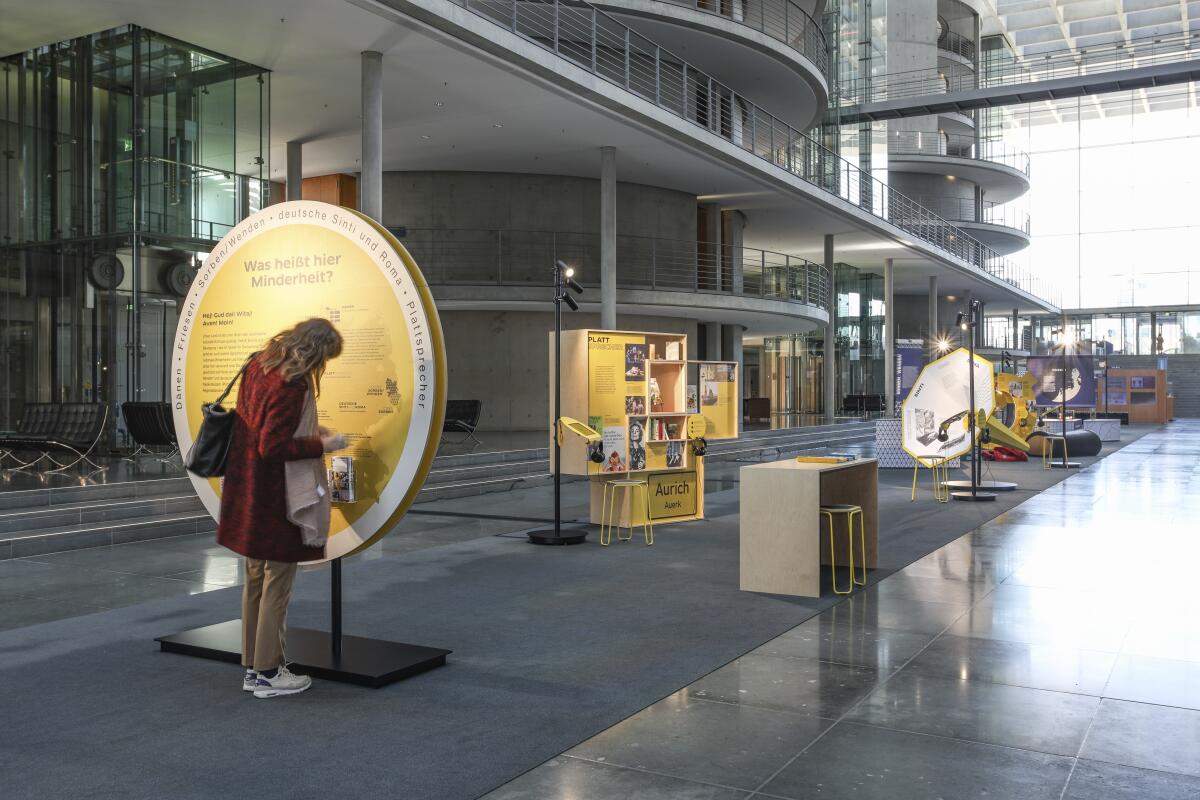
(332, 442)
(323, 431)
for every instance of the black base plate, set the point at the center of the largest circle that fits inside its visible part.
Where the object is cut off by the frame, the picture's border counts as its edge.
(563, 536)
(978, 497)
(365, 662)
(991, 486)
(1068, 465)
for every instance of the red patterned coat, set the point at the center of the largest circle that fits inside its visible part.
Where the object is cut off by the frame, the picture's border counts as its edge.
(253, 519)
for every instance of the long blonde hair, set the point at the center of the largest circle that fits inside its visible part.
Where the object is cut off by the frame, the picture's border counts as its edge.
(302, 350)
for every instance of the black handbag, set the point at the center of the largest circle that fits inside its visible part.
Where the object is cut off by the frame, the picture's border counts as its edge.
(208, 454)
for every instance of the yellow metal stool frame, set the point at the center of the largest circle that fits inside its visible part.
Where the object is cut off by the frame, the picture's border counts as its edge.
(609, 508)
(849, 511)
(1048, 441)
(941, 474)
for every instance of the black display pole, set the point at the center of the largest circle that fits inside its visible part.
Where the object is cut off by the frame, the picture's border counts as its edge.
(974, 496)
(558, 535)
(335, 609)
(1064, 384)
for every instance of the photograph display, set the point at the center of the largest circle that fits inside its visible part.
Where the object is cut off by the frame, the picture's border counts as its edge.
(637, 443)
(615, 458)
(1077, 386)
(635, 361)
(674, 455)
(635, 404)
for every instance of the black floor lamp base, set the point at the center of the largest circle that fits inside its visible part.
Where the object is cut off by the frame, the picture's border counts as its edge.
(562, 536)
(1068, 465)
(978, 497)
(991, 486)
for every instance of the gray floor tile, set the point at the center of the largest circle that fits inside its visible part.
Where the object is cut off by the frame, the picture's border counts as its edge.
(868, 609)
(880, 649)
(1059, 669)
(853, 762)
(35, 610)
(1170, 630)
(802, 686)
(916, 585)
(153, 559)
(722, 743)
(1162, 681)
(1060, 618)
(567, 778)
(992, 713)
(1147, 736)
(1095, 780)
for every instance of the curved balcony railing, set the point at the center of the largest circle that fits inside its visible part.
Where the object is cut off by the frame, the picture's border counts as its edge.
(938, 143)
(999, 68)
(601, 45)
(469, 256)
(957, 44)
(782, 20)
(962, 209)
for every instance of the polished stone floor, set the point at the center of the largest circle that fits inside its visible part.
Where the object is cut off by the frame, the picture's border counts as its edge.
(1052, 653)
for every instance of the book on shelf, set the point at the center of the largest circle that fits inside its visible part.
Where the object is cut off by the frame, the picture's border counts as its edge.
(672, 351)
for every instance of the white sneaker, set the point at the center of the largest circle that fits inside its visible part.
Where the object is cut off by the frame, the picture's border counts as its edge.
(250, 681)
(284, 682)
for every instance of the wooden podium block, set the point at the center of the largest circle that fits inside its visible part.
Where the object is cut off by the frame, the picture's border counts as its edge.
(783, 543)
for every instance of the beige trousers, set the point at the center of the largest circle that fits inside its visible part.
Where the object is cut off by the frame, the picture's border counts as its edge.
(265, 597)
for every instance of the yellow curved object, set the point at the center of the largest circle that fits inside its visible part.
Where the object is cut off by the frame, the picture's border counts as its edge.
(1002, 434)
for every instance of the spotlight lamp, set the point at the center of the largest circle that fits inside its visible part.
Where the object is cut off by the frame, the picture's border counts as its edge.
(943, 345)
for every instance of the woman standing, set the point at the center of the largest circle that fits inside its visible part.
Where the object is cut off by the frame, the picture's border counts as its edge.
(277, 392)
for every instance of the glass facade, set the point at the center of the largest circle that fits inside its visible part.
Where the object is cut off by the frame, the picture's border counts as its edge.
(1114, 198)
(127, 155)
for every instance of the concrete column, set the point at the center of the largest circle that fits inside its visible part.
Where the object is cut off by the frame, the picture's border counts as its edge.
(295, 173)
(712, 341)
(889, 339)
(980, 325)
(1016, 331)
(933, 317)
(370, 180)
(608, 238)
(737, 226)
(830, 356)
(731, 350)
(712, 264)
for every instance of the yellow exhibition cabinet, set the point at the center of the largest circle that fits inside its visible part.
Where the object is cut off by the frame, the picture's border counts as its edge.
(639, 390)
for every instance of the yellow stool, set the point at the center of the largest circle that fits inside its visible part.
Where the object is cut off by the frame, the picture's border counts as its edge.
(941, 474)
(1048, 441)
(610, 505)
(849, 512)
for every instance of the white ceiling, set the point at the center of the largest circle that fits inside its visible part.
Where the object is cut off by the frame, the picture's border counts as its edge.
(313, 47)
(1040, 26)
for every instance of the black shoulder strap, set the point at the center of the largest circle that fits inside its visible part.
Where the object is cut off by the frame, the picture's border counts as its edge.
(229, 388)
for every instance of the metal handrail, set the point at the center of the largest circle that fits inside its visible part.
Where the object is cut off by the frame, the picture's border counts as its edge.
(602, 46)
(958, 44)
(782, 20)
(956, 145)
(963, 209)
(1001, 68)
(504, 257)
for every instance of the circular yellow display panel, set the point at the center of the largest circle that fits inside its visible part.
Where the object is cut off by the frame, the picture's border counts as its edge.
(386, 392)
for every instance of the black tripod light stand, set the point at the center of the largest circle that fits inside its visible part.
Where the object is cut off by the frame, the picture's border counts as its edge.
(564, 284)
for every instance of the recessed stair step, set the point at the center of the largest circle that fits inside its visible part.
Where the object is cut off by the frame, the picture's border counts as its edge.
(77, 537)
